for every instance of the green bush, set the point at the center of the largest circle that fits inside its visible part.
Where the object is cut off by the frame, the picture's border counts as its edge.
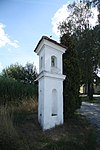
(12, 90)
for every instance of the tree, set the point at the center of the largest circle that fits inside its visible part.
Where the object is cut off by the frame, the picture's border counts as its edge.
(88, 47)
(30, 73)
(26, 74)
(78, 20)
(87, 59)
(72, 81)
(86, 42)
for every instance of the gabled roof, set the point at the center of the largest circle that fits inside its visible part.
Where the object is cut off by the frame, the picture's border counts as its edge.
(50, 40)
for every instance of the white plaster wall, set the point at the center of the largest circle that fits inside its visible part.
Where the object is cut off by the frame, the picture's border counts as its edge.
(50, 121)
(41, 101)
(52, 52)
(42, 54)
(50, 78)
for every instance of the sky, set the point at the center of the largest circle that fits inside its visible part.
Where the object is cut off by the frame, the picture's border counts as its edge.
(23, 23)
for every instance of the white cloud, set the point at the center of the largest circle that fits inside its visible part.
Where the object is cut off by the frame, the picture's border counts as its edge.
(61, 15)
(5, 39)
(93, 21)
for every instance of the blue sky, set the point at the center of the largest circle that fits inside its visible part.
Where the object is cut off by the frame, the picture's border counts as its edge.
(23, 23)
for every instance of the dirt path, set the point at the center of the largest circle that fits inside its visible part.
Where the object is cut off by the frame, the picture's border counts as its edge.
(92, 113)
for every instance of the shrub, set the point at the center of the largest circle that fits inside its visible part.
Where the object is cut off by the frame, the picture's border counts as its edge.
(12, 90)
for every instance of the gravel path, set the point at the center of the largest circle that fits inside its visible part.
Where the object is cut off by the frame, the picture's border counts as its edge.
(92, 113)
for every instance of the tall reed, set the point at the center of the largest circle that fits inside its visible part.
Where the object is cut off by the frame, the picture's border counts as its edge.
(12, 90)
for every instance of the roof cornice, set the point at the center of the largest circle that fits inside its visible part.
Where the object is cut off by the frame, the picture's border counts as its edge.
(50, 40)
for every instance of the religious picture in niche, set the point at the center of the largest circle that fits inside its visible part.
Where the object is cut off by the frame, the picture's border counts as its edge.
(53, 61)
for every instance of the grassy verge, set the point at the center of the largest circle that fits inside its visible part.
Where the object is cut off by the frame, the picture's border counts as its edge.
(95, 100)
(19, 125)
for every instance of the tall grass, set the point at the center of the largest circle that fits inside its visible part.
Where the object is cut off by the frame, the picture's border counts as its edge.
(9, 138)
(23, 110)
(15, 100)
(12, 90)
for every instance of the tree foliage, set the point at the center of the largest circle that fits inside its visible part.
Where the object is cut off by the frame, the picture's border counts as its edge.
(86, 39)
(72, 72)
(26, 74)
(78, 19)
(88, 47)
(18, 83)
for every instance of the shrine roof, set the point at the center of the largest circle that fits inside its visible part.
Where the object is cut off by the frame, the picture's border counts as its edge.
(50, 40)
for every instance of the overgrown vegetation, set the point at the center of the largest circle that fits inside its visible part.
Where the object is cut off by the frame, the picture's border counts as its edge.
(19, 130)
(12, 90)
(24, 74)
(18, 97)
(9, 137)
(17, 83)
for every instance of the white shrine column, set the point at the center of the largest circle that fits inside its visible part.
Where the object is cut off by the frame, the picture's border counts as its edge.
(50, 102)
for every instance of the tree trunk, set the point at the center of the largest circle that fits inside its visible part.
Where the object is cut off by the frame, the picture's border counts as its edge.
(90, 91)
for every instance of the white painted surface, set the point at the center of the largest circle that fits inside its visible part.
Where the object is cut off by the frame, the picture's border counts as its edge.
(50, 103)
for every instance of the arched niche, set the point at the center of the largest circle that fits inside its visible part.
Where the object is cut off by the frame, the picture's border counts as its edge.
(53, 61)
(54, 102)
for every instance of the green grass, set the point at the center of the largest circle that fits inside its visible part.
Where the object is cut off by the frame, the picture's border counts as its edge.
(95, 100)
(20, 126)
